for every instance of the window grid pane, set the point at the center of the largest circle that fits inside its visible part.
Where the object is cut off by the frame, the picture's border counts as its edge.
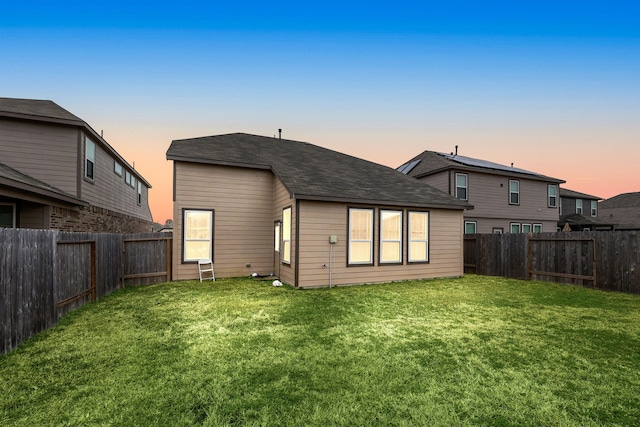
(198, 235)
(286, 236)
(390, 236)
(360, 236)
(418, 236)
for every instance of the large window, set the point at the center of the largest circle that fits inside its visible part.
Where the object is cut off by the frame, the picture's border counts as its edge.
(418, 236)
(286, 235)
(594, 208)
(579, 206)
(470, 227)
(514, 192)
(390, 236)
(553, 195)
(360, 236)
(462, 186)
(90, 158)
(198, 235)
(7, 215)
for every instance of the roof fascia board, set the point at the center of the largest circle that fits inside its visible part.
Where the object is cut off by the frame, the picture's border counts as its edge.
(32, 118)
(217, 162)
(381, 202)
(20, 186)
(490, 171)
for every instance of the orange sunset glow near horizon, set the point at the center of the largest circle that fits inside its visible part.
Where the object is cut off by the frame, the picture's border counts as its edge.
(553, 88)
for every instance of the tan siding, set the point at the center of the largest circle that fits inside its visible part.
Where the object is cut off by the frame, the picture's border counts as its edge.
(109, 190)
(281, 200)
(42, 151)
(319, 220)
(438, 180)
(243, 219)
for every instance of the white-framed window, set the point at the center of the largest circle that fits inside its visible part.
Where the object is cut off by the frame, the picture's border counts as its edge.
(526, 228)
(133, 181)
(390, 236)
(286, 235)
(537, 228)
(514, 192)
(515, 227)
(579, 206)
(276, 236)
(197, 230)
(462, 186)
(8, 215)
(89, 158)
(497, 230)
(139, 193)
(127, 177)
(418, 237)
(117, 168)
(360, 236)
(552, 191)
(594, 208)
(470, 227)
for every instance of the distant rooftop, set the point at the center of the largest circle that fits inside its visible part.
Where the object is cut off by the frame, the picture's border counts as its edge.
(37, 108)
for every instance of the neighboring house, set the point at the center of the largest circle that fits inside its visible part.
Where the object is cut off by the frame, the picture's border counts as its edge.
(623, 210)
(58, 173)
(579, 212)
(505, 199)
(263, 205)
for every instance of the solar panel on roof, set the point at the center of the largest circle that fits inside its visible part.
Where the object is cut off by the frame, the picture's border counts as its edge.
(408, 167)
(485, 164)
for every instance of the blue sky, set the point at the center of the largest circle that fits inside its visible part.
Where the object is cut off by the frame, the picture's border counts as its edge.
(551, 86)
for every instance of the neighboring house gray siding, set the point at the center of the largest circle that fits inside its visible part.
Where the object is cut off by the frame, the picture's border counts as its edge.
(43, 151)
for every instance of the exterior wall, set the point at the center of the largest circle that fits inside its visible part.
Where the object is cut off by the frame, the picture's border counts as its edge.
(93, 219)
(282, 200)
(42, 151)
(242, 201)
(108, 189)
(489, 194)
(319, 220)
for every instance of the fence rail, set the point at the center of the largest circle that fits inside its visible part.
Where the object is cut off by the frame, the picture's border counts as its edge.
(45, 274)
(607, 260)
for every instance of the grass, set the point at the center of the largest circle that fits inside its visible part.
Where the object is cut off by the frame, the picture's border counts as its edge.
(470, 351)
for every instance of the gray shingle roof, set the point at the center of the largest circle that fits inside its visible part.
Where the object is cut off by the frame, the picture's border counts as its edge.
(312, 172)
(36, 108)
(18, 180)
(625, 200)
(565, 192)
(432, 162)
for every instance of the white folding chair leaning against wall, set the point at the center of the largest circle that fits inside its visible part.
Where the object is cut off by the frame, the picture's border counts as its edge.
(205, 270)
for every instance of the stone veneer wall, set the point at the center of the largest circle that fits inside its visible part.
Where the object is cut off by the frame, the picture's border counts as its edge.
(92, 219)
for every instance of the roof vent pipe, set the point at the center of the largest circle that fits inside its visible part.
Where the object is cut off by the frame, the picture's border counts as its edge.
(279, 133)
(456, 150)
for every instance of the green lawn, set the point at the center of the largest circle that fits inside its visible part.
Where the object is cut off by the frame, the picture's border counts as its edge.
(471, 351)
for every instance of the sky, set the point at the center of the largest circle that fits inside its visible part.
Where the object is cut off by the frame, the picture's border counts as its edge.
(550, 86)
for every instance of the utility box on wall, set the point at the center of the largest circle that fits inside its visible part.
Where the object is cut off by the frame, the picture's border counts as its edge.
(333, 239)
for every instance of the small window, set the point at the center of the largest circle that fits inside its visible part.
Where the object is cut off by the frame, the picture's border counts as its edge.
(462, 185)
(515, 227)
(390, 236)
(360, 236)
(537, 228)
(514, 192)
(8, 215)
(139, 193)
(133, 181)
(579, 206)
(117, 168)
(198, 235)
(418, 236)
(497, 230)
(90, 158)
(286, 235)
(553, 195)
(526, 228)
(470, 227)
(127, 177)
(276, 237)
(594, 208)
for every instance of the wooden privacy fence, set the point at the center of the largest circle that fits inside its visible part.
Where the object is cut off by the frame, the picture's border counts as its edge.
(606, 260)
(45, 274)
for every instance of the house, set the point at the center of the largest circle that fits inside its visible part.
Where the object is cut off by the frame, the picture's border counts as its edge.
(56, 172)
(309, 215)
(505, 199)
(579, 212)
(623, 210)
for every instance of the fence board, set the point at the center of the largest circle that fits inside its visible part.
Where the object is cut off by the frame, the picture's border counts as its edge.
(575, 258)
(41, 268)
